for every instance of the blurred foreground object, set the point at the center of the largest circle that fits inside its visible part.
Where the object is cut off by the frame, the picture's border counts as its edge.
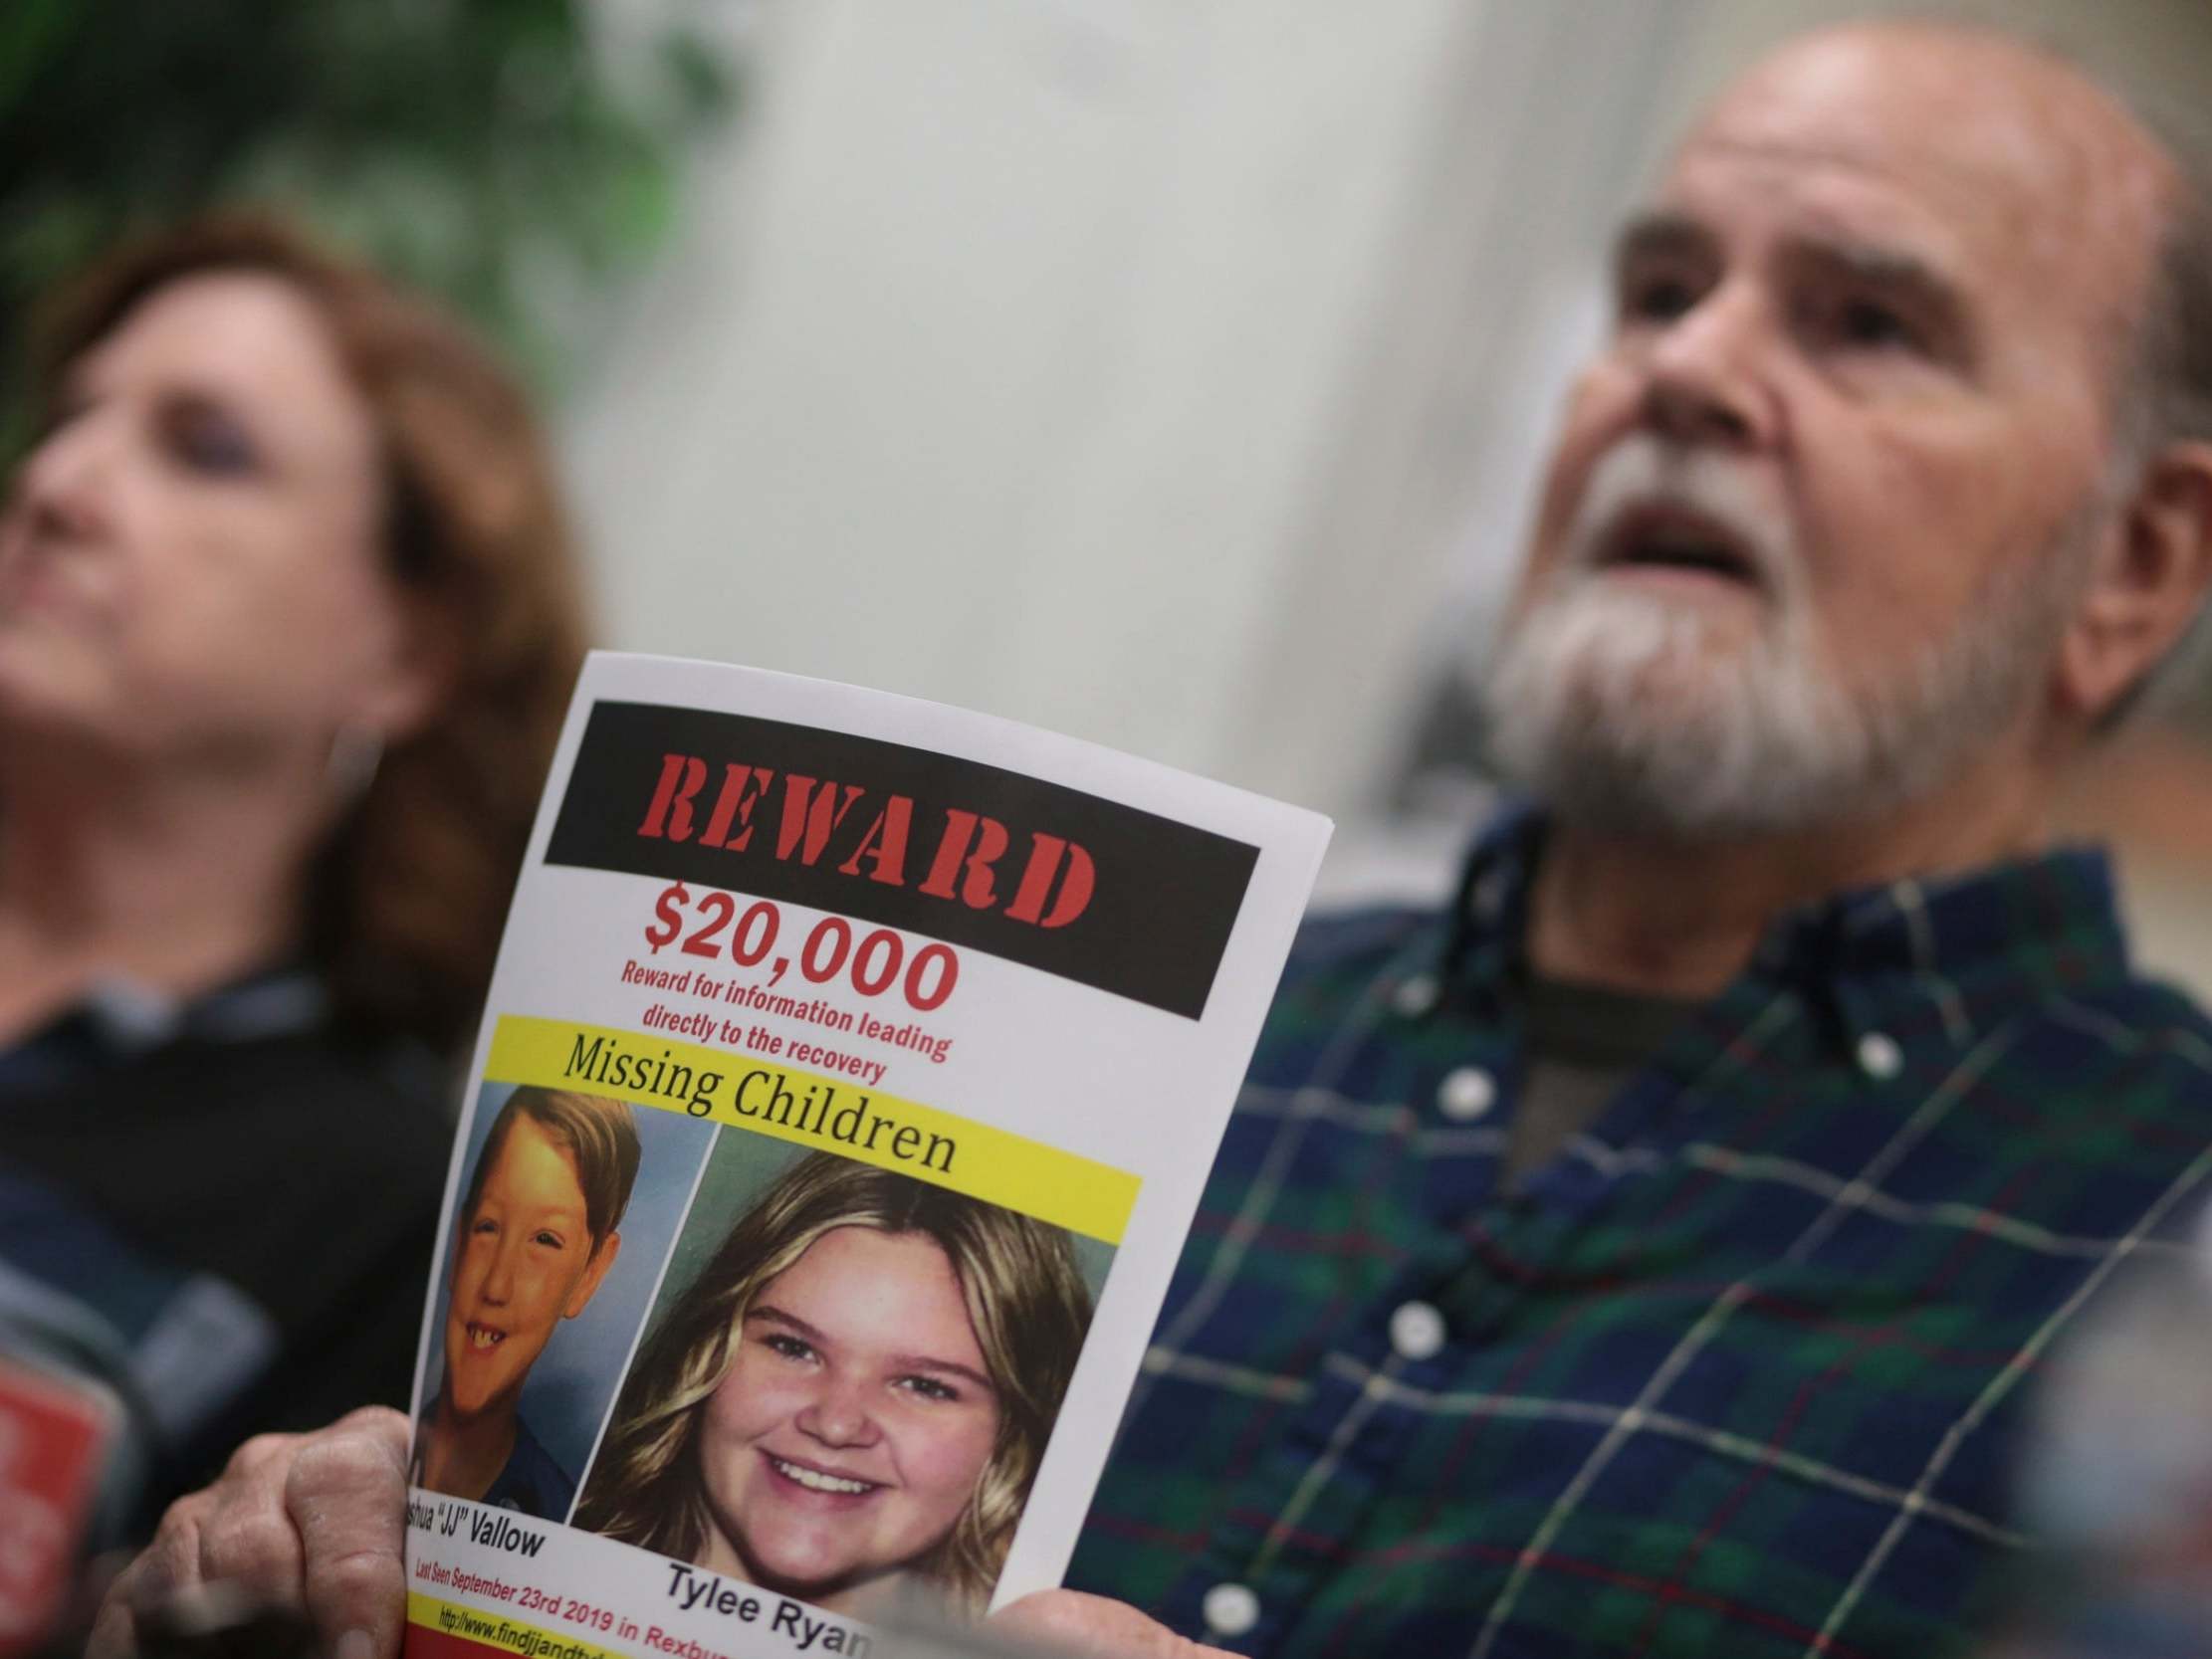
(2118, 1476)
(53, 1448)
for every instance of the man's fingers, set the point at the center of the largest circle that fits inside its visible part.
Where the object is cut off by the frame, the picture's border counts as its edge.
(115, 1633)
(246, 1540)
(1081, 1624)
(296, 1521)
(169, 1563)
(173, 1561)
(346, 1498)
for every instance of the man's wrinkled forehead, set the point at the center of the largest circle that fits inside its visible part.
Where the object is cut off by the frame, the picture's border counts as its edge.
(2016, 156)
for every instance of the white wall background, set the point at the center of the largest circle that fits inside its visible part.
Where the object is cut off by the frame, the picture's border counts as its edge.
(1170, 372)
(1021, 353)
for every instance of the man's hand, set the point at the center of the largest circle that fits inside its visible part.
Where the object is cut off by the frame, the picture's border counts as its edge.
(313, 1522)
(1092, 1625)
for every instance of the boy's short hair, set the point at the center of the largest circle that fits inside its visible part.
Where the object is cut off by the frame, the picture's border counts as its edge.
(600, 1136)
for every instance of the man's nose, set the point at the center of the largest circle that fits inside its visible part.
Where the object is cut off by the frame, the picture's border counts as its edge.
(1707, 372)
(839, 1415)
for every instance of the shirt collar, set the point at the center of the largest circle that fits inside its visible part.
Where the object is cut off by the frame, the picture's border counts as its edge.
(124, 1018)
(1950, 953)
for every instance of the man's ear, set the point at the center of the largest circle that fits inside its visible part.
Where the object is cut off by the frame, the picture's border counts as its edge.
(595, 1270)
(2152, 576)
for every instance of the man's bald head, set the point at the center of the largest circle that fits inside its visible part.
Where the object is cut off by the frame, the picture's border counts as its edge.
(2004, 132)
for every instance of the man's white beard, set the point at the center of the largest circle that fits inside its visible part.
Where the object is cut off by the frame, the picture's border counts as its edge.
(1608, 702)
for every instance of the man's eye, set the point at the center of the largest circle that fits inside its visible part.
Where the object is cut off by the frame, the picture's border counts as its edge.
(552, 1241)
(484, 1227)
(1657, 299)
(1869, 325)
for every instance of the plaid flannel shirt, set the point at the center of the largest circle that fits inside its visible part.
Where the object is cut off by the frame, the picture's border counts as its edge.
(1740, 1371)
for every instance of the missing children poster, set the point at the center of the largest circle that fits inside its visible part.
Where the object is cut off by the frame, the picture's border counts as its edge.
(846, 1087)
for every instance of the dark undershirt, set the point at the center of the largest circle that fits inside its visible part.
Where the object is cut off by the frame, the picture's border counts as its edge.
(238, 1201)
(1583, 1043)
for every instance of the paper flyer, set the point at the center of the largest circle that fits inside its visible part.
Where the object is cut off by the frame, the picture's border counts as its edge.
(847, 1083)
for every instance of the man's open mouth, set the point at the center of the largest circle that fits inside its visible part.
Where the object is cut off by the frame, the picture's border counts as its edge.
(482, 1338)
(1670, 538)
(818, 1480)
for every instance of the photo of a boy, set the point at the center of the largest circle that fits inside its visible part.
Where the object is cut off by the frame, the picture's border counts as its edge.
(539, 1228)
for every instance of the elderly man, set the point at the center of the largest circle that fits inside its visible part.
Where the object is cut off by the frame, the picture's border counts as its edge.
(1651, 1254)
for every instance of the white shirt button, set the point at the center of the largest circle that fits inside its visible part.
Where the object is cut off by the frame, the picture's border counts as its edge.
(1230, 1609)
(1466, 1093)
(1879, 1055)
(1415, 996)
(1417, 1330)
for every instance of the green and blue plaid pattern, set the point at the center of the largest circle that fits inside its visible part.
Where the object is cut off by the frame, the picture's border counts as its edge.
(1740, 1371)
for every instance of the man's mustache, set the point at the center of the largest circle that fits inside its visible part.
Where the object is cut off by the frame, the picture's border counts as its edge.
(1643, 481)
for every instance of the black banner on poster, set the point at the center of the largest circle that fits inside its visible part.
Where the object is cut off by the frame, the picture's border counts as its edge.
(1077, 885)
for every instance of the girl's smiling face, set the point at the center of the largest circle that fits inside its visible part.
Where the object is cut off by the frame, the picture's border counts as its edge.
(854, 1423)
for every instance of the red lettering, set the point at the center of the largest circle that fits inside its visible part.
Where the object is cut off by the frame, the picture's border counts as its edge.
(886, 843)
(811, 816)
(1045, 855)
(682, 777)
(976, 889)
(734, 805)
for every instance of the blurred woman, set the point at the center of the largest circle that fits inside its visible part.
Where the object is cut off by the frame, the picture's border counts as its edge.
(855, 1392)
(287, 620)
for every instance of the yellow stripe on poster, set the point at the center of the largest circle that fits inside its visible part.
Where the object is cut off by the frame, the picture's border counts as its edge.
(772, 1097)
(500, 1631)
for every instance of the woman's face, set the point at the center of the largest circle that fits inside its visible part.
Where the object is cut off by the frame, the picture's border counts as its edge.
(850, 1432)
(526, 1261)
(190, 558)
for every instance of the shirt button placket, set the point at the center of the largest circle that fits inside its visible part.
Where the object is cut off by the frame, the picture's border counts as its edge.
(1466, 1093)
(1415, 996)
(1879, 1055)
(1417, 1330)
(1229, 1610)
